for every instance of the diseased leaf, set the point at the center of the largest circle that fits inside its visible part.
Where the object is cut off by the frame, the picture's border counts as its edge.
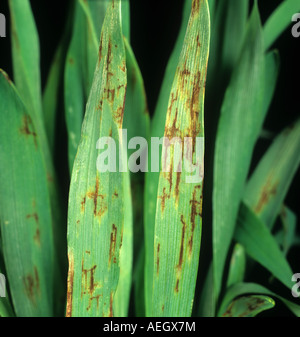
(240, 123)
(249, 306)
(157, 130)
(270, 182)
(25, 209)
(179, 203)
(253, 288)
(97, 207)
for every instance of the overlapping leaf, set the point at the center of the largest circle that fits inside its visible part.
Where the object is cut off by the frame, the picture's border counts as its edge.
(240, 122)
(26, 221)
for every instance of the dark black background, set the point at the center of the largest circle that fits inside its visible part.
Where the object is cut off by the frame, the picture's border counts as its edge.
(154, 28)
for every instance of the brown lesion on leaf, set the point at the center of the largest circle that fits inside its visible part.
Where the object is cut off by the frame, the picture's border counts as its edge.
(178, 175)
(32, 285)
(177, 286)
(95, 196)
(70, 285)
(27, 128)
(180, 262)
(163, 198)
(93, 299)
(37, 234)
(198, 41)
(195, 7)
(123, 67)
(184, 75)
(268, 191)
(196, 210)
(37, 237)
(111, 299)
(157, 259)
(163, 308)
(100, 105)
(113, 242)
(118, 114)
(33, 216)
(88, 283)
(109, 74)
(115, 195)
(173, 99)
(100, 50)
(171, 130)
(83, 202)
(109, 94)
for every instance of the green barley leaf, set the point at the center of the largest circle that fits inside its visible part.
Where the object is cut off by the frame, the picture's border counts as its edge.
(249, 306)
(178, 219)
(206, 307)
(240, 289)
(137, 124)
(287, 235)
(237, 265)
(26, 55)
(52, 95)
(240, 123)
(25, 209)
(97, 207)
(157, 130)
(259, 243)
(227, 37)
(279, 21)
(75, 94)
(270, 182)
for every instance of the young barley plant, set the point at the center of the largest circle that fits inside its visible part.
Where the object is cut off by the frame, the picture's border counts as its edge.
(161, 216)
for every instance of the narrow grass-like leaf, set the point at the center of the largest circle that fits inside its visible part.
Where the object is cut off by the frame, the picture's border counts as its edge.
(253, 288)
(207, 305)
(259, 243)
(96, 202)
(178, 219)
(249, 306)
(26, 55)
(74, 85)
(25, 212)
(52, 94)
(239, 126)
(227, 37)
(287, 235)
(237, 265)
(268, 185)
(279, 20)
(137, 124)
(157, 130)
